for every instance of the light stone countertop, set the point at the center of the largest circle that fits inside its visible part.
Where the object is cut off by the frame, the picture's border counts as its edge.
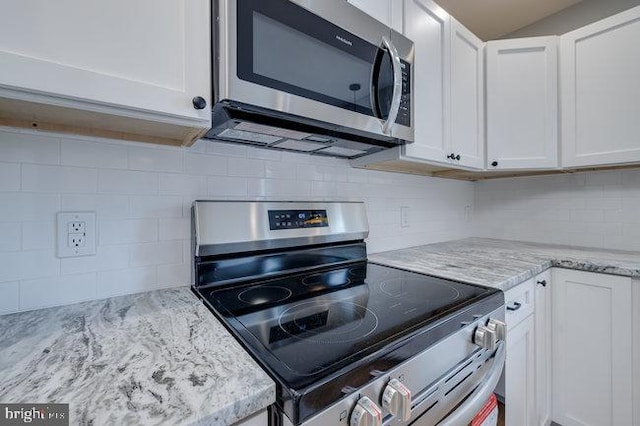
(151, 358)
(504, 264)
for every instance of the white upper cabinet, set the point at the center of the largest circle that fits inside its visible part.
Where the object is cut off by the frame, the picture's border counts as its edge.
(141, 59)
(600, 65)
(389, 12)
(448, 88)
(467, 96)
(429, 26)
(522, 103)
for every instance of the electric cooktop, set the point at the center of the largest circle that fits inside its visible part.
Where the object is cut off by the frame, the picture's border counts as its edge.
(309, 325)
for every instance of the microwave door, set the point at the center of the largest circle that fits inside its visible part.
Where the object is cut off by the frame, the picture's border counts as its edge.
(386, 85)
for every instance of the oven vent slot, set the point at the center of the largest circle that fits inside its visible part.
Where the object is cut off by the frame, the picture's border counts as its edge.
(423, 396)
(459, 369)
(459, 383)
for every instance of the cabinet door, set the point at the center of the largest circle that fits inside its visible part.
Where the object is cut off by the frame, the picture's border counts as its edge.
(389, 12)
(542, 315)
(522, 103)
(592, 349)
(600, 91)
(519, 374)
(428, 25)
(467, 96)
(144, 58)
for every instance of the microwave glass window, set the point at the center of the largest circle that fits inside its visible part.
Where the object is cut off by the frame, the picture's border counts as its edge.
(296, 59)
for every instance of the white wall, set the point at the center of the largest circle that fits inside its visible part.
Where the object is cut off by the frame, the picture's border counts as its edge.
(594, 209)
(573, 17)
(142, 195)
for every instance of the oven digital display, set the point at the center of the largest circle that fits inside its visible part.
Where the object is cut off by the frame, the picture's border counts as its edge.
(297, 219)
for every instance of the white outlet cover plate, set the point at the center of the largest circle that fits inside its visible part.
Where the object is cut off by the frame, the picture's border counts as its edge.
(63, 219)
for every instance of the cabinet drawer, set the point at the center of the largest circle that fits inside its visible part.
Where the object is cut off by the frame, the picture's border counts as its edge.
(519, 302)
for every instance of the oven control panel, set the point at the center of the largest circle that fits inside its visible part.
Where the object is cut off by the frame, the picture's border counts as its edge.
(297, 219)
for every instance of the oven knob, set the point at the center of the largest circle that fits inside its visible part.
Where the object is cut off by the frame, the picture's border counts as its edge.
(396, 399)
(485, 338)
(498, 327)
(366, 413)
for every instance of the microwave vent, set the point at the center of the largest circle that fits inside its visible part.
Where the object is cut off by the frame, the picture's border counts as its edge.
(303, 146)
(270, 130)
(243, 135)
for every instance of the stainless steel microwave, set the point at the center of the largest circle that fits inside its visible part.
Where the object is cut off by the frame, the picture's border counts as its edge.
(317, 76)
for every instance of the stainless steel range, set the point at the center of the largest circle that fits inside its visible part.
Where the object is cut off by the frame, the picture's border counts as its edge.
(348, 342)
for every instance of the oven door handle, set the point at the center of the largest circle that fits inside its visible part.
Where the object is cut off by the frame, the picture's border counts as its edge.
(465, 413)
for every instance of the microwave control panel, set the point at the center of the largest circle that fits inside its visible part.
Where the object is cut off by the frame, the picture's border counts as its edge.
(404, 114)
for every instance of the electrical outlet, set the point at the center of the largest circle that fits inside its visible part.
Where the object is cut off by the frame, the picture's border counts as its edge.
(76, 234)
(77, 227)
(76, 240)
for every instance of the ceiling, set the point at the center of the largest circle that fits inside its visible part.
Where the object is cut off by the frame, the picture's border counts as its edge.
(491, 19)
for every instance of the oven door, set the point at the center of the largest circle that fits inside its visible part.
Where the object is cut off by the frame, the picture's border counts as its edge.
(279, 55)
(467, 389)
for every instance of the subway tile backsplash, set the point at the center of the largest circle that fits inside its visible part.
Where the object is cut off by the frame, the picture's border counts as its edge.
(593, 209)
(142, 195)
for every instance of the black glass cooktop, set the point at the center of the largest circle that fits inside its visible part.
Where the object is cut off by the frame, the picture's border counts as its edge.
(307, 326)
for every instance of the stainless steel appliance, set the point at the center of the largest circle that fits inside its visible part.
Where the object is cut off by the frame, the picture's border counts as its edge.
(316, 76)
(347, 341)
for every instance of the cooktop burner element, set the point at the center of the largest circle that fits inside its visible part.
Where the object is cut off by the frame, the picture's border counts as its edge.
(327, 279)
(403, 288)
(339, 322)
(264, 294)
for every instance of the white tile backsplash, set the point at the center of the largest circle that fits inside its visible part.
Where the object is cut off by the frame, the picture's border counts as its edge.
(56, 291)
(132, 280)
(142, 195)
(9, 297)
(9, 177)
(38, 235)
(10, 236)
(93, 154)
(107, 258)
(127, 231)
(105, 206)
(156, 159)
(127, 182)
(143, 206)
(156, 253)
(594, 209)
(21, 147)
(58, 179)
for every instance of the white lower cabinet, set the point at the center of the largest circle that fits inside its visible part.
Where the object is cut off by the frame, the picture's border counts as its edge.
(592, 350)
(542, 316)
(519, 374)
(518, 383)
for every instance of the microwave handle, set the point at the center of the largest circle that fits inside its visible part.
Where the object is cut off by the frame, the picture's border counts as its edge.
(397, 85)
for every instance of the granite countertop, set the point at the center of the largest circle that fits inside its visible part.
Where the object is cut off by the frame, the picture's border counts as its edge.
(505, 264)
(152, 358)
